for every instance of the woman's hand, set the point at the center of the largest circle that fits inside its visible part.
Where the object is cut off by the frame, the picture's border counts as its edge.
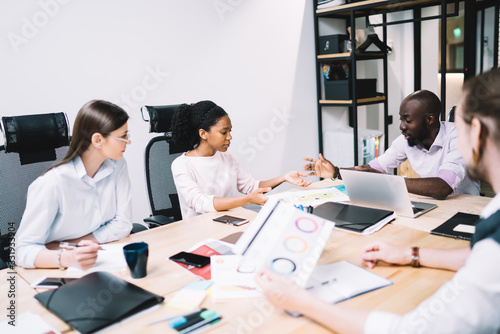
(281, 291)
(82, 257)
(257, 196)
(383, 251)
(294, 177)
(320, 167)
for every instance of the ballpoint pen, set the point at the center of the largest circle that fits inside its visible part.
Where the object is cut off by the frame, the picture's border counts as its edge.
(68, 245)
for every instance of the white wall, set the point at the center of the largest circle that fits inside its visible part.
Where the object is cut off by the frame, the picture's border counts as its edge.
(253, 58)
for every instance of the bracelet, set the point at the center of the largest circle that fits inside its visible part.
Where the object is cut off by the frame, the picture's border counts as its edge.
(415, 257)
(59, 253)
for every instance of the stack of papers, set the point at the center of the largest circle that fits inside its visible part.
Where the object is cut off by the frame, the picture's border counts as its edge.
(109, 258)
(312, 197)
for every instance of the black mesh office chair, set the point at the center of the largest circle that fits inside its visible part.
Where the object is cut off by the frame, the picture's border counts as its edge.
(32, 144)
(159, 155)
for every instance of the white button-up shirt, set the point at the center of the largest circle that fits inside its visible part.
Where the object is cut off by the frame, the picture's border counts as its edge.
(65, 203)
(469, 303)
(443, 160)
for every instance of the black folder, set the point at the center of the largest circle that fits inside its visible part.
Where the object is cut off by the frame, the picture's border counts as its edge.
(460, 218)
(96, 301)
(352, 217)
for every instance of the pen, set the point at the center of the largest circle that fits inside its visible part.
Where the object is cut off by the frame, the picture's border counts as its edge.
(192, 320)
(68, 245)
(178, 319)
(71, 245)
(200, 324)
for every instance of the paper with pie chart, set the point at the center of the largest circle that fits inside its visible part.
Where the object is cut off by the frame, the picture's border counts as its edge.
(287, 240)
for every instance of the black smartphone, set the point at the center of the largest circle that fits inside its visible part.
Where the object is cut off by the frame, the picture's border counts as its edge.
(52, 282)
(232, 220)
(191, 259)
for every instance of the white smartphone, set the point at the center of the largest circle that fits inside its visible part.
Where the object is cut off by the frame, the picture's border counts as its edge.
(232, 220)
(52, 282)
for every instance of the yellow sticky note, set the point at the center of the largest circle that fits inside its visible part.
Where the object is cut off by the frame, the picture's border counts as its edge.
(187, 299)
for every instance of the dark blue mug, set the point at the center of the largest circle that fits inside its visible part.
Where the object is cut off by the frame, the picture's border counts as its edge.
(136, 255)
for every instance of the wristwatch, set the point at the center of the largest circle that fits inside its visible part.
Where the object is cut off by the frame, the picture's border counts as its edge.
(415, 258)
(336, 173)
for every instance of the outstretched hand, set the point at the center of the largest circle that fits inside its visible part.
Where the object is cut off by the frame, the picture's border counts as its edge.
(383, 251)
(320, 167)
(295, 178)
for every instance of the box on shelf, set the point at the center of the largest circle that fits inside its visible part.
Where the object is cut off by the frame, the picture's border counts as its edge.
(342, 89)
(331, 44)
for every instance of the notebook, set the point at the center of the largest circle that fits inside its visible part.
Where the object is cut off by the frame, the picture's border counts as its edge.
(354, 218)
(460, 226)
(96, 301)
(384, 191)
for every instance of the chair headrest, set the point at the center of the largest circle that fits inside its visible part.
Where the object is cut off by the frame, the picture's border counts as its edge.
(160, 117)
(35, 136)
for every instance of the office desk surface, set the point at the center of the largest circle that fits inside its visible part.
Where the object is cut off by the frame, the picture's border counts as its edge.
(23, 297)
(411, 285)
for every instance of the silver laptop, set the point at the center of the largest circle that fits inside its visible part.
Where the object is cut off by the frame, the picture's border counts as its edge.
(382, 191)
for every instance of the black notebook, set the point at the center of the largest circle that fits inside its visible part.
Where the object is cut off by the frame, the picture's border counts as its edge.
(451, 228)
(97, 300)
(354, 218)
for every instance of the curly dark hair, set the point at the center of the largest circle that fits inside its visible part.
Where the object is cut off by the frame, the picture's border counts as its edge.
(189, 118)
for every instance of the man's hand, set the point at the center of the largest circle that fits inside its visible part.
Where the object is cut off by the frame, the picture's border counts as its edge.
(320, 167)
(383, 251)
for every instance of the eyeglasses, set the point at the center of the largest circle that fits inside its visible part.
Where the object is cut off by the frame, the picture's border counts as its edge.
(126, 138)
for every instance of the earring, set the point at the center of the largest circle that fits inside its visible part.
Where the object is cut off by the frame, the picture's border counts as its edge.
(475, 157)
(99, 147)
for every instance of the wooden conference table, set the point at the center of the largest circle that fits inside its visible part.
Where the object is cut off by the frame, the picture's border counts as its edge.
(411, 285)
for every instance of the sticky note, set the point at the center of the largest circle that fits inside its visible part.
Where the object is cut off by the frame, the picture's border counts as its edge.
(465, 228)
(187, 299)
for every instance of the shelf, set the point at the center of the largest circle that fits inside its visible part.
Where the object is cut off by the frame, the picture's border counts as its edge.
(365, 101)
(374, 5)
(347, 56)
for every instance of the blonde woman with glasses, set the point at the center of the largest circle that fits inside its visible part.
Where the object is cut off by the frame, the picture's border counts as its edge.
(85, 199)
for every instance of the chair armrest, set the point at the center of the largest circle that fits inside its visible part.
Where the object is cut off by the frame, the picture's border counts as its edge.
(158, 220)
(139, 227)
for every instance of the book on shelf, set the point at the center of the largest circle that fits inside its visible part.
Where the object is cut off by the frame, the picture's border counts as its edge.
(329, 3)
(461, 226)
(355, 218)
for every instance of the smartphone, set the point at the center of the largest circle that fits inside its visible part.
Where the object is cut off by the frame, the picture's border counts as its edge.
(226, 219)
(191, 259)
(52, 282)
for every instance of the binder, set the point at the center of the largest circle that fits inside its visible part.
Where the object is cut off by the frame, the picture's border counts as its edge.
(97, 300)
(460, 218)
(358, 219)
